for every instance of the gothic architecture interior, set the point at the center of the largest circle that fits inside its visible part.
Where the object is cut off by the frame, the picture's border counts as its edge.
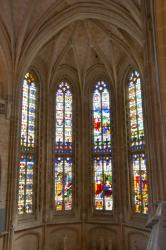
(82, 123)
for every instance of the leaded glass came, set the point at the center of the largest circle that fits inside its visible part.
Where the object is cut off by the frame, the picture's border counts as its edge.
(136, 143)
(28, 144)
(102, 147)
(63, 160)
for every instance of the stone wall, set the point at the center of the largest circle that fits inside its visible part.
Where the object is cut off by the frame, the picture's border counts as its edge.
(160, 14)
(82, 42)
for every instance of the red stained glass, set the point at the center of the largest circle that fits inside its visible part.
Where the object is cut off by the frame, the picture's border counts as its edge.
(138, 164)
(102, 147)
(28, 144)
(63, 198)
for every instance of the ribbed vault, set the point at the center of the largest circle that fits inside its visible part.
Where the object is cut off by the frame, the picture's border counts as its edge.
(76, 33)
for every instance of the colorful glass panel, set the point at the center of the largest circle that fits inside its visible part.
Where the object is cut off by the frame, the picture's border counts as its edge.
(28, 145)
(103, 183)
(101, 117)
(63, 148)
(137, 145)
(135, 112)
(140, 185)
(102, 147)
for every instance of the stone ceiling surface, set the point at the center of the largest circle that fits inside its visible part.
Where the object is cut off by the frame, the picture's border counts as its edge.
(73, 32)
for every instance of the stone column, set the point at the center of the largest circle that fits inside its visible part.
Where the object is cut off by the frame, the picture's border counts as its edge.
(65, 243)
(109, 245)
(157, 222)
(101, 244)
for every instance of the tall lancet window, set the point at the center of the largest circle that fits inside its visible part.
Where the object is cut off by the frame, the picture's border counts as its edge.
(28, 144)
(136, 145)
(63, 152)
(102, 147)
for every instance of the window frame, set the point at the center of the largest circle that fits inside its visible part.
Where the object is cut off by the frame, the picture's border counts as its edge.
(72, 155)
(35, 200)
(96, 74)
(127, 128)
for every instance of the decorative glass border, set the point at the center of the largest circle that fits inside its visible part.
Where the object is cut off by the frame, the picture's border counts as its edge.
(102, 147)
(28, 145)
(136, 144)
(63, 149)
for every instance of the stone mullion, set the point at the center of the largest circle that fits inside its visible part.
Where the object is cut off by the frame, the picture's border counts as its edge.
(118, 121)
(11, 190)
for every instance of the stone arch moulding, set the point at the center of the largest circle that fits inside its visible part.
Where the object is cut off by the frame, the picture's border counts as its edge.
(124, 71)
(68, 74)
(5, 47)
(74, 13)
(64, 72)
(122, 88)
(6, 78)
(30, 240)
(95, 73)
(18, 107)
(63, 237)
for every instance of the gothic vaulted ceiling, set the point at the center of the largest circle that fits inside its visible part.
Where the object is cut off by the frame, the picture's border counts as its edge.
(69, 32)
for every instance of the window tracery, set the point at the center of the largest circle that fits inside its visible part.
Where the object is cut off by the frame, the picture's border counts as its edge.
(136, 144)
(63, 146)
(63, 152)
(102, 146)
(28, 144)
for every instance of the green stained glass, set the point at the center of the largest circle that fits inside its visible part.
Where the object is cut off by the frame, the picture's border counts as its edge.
(137, 145)
(101, 118)
(63, 147)
(28, 144)
(102, 145)
(103, 183)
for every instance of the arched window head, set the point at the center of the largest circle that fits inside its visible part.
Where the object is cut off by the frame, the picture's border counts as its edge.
(102, 146)
(28, 145)
(136, 145)
(63, 159)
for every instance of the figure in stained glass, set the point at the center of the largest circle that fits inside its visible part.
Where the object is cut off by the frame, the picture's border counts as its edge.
(63, 148)
(28, 144)
(137, 145)
(102, 147)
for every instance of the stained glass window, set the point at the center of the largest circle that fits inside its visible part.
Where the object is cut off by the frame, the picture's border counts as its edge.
(102, 147)
(63, 160)
(136, 141)
(28, 144)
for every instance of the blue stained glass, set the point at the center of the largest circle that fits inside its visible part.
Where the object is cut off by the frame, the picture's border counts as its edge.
(136, 145)
(63, 145)
(63, 128)
(28, 144)
(102, 144)
(102, 118)
(103, 183)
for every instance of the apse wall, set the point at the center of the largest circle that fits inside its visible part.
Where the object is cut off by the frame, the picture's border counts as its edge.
(81, 42)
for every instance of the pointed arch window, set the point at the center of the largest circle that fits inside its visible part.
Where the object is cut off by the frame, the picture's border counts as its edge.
(28, 144)
(136, 145)
(63, 152)
(102, 146)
